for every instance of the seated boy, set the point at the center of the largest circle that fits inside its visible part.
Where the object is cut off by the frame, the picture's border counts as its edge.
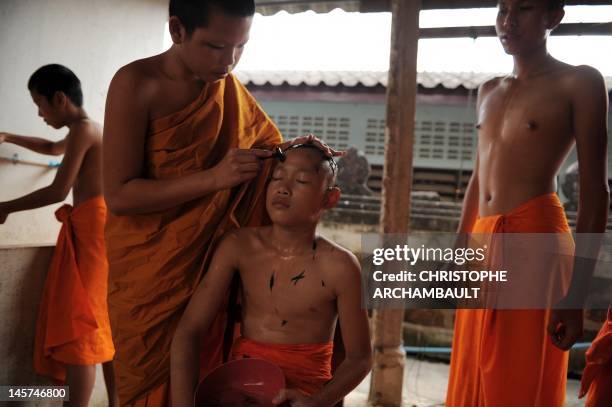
(295, 285)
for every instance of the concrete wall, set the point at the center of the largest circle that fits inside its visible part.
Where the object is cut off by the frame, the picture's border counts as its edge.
(93, 38)
(22, 276)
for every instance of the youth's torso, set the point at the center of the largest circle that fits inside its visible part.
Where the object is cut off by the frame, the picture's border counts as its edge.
(526, 132)
(287, 300)
(88, 183)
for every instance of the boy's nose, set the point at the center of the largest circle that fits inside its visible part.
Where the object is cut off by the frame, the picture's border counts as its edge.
(229, 57)
(510, 20)
(283, 191)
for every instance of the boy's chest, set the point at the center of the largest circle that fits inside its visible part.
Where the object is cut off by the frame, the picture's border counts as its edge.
(290, 286)
(525, 117)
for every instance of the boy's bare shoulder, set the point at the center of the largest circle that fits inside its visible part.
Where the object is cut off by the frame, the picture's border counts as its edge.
(488, 85)
(584, 77)
(244, 238)
(86, 129)
(339, 261)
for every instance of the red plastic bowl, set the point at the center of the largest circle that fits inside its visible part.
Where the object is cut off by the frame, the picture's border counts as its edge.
(243, 382)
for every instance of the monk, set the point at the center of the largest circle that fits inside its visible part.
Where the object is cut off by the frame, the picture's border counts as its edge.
(295, 285)
(527, 124)
(184, 143)
(597, 375)
(73, 329)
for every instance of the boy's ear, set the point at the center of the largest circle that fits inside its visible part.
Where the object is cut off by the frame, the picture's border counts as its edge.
(177, 31)
(332, 196)
(59, 99)
(554, 18)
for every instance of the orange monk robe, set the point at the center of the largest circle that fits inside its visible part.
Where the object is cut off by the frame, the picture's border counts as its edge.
(505, 357)
(597, 375)
(158, 259)
(307, 367)
(73, 325)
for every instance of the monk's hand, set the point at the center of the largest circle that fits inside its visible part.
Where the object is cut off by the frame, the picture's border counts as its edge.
(565, 327)
(238, 166)
(3, 137)
(293, 398)
(312, 139)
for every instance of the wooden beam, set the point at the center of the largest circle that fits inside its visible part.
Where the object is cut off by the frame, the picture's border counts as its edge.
(489, 31)
(385, 5)
(389, 357)
(454, 4)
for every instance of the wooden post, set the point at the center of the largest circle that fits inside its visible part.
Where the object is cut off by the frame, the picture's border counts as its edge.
(389, 357)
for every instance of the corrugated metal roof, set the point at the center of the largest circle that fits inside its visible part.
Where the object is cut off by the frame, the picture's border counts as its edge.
(449, 80)
(270, 7)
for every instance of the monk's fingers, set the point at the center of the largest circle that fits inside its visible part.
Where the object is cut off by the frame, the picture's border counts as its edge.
(330, 152)
(254, 152)
(249, 167)
(258, 152)
(246, 176)
(287, 395)
(281, 397)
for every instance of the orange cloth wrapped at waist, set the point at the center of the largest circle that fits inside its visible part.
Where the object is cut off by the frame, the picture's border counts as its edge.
(158, 259)
(505, 357)
(597, 375)
(307, 367)
(73, 325)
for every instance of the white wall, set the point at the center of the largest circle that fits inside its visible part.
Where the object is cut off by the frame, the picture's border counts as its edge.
(93, 38)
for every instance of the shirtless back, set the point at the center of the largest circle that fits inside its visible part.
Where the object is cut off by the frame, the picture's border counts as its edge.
(81, 167)
(87, 134)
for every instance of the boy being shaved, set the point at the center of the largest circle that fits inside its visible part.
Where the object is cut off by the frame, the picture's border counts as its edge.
(294, 286)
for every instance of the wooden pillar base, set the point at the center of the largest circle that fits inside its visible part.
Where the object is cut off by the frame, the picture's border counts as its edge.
(387, 373)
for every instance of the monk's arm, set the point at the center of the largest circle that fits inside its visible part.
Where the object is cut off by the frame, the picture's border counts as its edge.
(77, 144)
(590, 111)
(590, 108)
(126, 188)
(39, 145)
(197, 319)
(355, 334)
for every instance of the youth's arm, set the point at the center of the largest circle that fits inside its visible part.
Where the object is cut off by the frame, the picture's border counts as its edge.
(77, 144)
(37, 144)
(355, 334)
(469, 209)
(126, 188)
(197, 319)
(590, 113)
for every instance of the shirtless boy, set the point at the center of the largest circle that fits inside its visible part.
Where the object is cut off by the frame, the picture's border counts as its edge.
(69, 344)
(528, 122)
(295, 285)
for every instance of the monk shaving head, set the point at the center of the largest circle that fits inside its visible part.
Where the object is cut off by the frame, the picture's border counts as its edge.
(56, 91)
(302, 186)
(209, 35)
(524, 25)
